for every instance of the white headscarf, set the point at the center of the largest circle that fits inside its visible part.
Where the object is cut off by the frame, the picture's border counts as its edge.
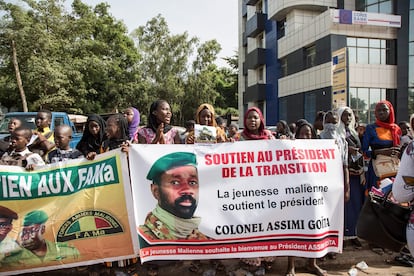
(341, 127)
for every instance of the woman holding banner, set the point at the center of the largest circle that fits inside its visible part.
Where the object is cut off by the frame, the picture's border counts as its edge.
(305, 130)
(254, 129)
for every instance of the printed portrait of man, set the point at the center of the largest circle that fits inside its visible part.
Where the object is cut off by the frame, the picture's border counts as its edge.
(8, 246)
(38, 249)
(175, 186)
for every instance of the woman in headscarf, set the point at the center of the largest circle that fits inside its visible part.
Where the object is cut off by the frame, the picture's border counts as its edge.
(254, 129)
(133, 117)
(283, 130)
(206, 116)
(381, 137)
(93, 136)
(346, 130)
(254, 126)
(158, 129)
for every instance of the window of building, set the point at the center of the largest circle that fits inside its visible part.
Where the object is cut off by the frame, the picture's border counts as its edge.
(261, 75)
(281, 28)
(260, 41)
(367, 51)
(283, 67)
(310, 107)
(259, 7)
(310, 54)
(283, 108)
(377, 6)
(363, 100)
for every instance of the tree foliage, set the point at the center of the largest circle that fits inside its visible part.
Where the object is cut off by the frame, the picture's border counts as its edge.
(84, 61)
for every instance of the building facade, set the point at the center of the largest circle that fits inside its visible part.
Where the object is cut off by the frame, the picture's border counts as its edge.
(297, 57)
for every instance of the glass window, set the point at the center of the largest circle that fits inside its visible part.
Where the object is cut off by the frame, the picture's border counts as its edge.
(411, 30)
(374, 56)
(411, 71)
(363, 96)
(362, 55)
(282, 108)
(352, 55)
(375, 43)
(383, 56)
(353, 98)
(411, 100)
(310, 107)
(411, 48)
(370, 2)
(372, 8)
(351, 41)
(362, 42)
(385, 7)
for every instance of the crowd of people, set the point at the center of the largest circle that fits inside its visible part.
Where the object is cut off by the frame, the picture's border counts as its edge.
(359, 144)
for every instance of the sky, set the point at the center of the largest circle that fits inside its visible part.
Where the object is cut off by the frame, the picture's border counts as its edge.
(205, 19)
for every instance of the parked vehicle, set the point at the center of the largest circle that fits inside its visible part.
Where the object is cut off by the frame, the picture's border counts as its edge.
(28, 120)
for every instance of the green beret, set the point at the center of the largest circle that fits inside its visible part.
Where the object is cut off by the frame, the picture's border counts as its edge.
(7, 213)
(35, 217)
(169, 161)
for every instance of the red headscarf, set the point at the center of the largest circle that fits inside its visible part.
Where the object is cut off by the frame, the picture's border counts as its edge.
(391, 125)
(263, 134)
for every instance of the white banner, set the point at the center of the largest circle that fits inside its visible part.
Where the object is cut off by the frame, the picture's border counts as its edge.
(255, 198)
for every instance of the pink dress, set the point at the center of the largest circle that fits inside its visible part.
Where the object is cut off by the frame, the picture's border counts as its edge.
(149, 135)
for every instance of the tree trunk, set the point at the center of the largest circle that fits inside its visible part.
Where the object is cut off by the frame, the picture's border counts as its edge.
(18, 78)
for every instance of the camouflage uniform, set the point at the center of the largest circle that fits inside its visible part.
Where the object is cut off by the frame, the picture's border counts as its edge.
(56, 252)
(155, 229)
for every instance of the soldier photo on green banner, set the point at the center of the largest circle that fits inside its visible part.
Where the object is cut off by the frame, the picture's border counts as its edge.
(36, 249)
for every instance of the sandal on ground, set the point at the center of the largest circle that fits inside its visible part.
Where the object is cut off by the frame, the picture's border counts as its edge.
(152, 270)
(218, 265)
(317, 270)
(195, 267)
(378, 250)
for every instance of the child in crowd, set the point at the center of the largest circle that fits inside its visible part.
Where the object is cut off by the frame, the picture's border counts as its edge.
(93, 136)
(44, 140)
(5, 142)
(233, 133)
(20, 155)
(116, 132)
(63, 151)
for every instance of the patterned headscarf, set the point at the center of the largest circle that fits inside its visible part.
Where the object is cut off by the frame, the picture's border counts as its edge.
(391, 125)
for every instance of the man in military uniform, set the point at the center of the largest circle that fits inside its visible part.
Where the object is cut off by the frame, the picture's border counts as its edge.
(175, 186)
(39, 250)
(8, 246)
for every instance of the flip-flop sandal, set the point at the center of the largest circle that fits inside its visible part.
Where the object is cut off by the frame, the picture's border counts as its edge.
(195, 267)
(152, 270)
(378, 250)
